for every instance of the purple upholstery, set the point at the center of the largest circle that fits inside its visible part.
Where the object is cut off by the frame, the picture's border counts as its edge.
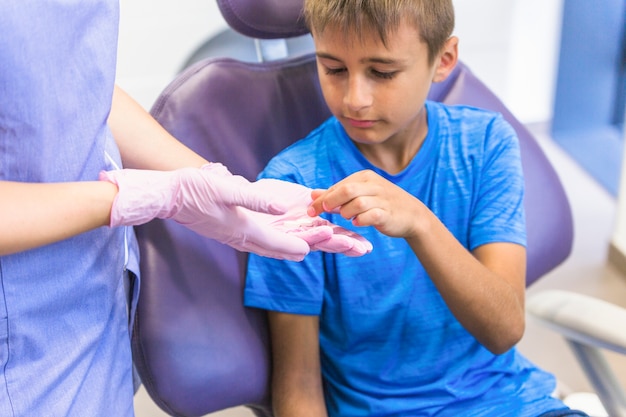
(197, 349)
(264, 19)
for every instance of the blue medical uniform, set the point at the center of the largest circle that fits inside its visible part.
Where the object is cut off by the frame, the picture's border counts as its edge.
(64, 336)
(389, 345)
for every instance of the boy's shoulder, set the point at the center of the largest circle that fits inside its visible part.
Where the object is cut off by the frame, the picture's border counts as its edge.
(299, 161)
(320, 135)
(462, 112)
(467, 120)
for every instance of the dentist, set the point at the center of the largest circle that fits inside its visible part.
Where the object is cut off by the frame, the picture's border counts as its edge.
(65, 130)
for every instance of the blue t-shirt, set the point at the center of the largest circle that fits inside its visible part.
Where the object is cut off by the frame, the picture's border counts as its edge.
(64, 337)
(389, 344)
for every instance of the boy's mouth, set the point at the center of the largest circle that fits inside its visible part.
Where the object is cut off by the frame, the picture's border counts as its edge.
(360, 124)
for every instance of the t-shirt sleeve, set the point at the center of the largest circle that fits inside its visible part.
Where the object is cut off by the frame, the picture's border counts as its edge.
(498, 214)
(286, 286)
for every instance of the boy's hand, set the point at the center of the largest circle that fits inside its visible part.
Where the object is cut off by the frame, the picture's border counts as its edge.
(370, 200)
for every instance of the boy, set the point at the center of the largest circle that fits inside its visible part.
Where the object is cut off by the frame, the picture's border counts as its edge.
(426, 324)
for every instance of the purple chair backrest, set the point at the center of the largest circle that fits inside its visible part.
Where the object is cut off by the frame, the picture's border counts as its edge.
(264, 19)
(196, 348)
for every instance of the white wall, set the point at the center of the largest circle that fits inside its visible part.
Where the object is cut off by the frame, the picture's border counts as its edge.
(511, 45)
(156, 38)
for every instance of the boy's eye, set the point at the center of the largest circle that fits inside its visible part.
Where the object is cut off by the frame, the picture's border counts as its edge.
(384, 75)
(334, 71)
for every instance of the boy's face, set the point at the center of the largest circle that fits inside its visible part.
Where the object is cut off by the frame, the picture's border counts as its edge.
(377, 92)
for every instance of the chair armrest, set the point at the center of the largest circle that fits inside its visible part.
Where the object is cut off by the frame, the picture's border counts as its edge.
(581, 318)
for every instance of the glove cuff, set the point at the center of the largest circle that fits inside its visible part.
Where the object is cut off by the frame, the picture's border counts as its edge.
(142, 196)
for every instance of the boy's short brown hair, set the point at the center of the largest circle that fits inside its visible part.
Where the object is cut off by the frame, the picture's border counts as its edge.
(434, 19)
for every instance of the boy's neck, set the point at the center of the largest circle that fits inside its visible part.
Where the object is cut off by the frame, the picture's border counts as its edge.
(397, 152)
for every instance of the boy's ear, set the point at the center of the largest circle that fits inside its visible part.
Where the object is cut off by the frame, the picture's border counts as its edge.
(447, 59)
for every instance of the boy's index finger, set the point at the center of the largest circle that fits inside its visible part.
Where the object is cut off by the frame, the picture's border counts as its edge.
(316, 193)
(323, 202)
(316, 208)
(332, 199)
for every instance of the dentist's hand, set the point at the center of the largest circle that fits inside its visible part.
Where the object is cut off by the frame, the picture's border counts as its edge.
(216, 204)
(295, 221)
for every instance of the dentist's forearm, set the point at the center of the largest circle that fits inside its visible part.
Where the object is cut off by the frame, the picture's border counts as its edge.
(36, 214)
(143, 142)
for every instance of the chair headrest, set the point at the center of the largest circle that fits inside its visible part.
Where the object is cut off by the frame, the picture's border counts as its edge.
(265, 19)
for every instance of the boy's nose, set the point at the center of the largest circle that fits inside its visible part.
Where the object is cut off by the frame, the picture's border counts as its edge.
(358, 94)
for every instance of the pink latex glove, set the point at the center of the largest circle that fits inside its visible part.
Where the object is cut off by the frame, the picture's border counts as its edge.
(344, 241)
(216, 204)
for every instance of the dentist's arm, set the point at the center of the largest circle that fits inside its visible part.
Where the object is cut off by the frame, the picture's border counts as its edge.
(211, 201)
(33, 214)
(143, 142)
(36, 214)
(208, 200)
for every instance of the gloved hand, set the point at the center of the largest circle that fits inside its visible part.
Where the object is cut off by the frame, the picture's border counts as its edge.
(297, 222)
(216, 204)
(342, 241)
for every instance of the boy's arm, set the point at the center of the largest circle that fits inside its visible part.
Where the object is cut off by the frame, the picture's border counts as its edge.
(296, 378)
(484, 289)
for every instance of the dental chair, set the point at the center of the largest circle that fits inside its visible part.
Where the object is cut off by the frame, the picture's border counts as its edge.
(232, 44)
(590, 327)
(196, 348)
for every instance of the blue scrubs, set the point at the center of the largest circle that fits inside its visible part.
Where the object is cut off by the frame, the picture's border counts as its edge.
(64, 338)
